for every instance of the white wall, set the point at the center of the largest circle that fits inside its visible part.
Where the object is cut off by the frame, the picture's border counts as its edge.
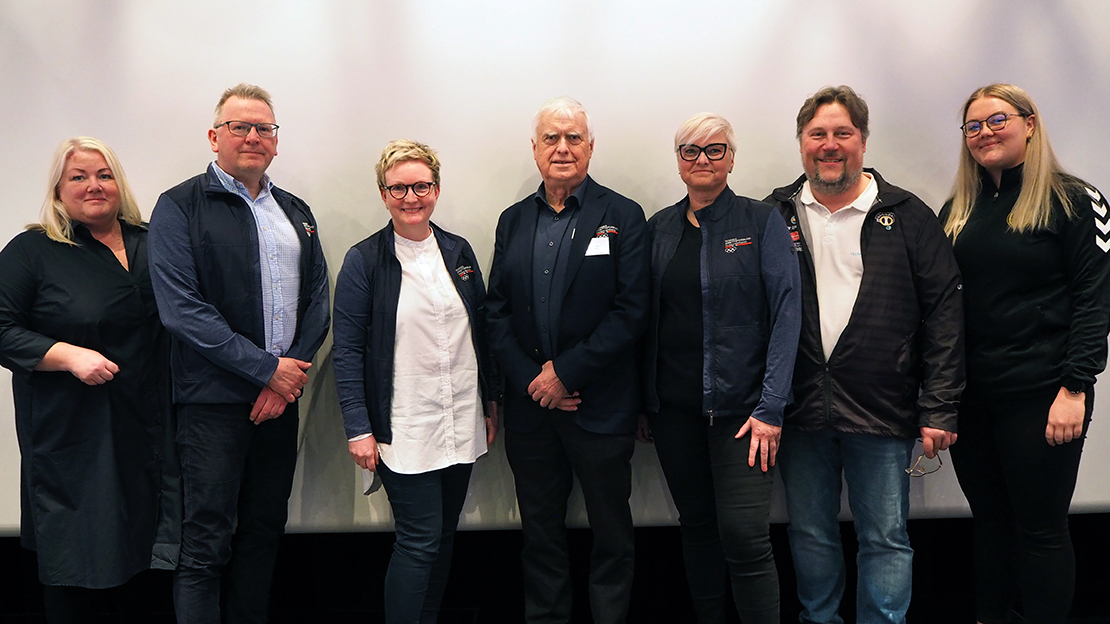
(347, 77)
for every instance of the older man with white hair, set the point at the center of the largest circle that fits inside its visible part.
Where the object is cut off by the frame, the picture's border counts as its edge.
(568, 301)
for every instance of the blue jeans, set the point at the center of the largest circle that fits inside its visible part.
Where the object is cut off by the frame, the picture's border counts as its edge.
(811, 464)
(426, 510)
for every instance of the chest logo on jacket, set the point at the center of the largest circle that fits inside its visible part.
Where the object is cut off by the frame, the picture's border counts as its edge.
(606, 231)
(885, 219)
(464, 272)
(731, 244)
(308, 228)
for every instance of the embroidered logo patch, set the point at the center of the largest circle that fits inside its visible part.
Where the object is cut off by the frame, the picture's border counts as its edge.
(606, 231)
(464, 271)
(308, 228)
(885, 219)
(732, 243)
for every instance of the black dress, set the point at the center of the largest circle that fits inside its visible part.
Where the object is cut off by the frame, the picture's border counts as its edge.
(100, 493)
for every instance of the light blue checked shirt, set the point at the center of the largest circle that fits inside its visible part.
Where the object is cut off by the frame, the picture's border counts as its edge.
(279, 256)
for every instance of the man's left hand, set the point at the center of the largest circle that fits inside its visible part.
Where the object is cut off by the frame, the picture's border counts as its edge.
(546, 387)
(765, 442)
(934, 441)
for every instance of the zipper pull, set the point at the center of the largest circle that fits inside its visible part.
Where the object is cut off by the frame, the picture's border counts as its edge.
(710, 418)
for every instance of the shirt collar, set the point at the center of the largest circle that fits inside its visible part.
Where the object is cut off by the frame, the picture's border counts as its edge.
(234, 186)
(862, 203)
(578, 195)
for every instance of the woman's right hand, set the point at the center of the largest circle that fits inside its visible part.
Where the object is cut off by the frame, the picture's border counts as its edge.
(85, 364)
(643, 430)
(365, 453)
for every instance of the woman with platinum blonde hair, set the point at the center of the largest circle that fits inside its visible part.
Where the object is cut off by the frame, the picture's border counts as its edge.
(726, 315)
(1032, 244)
(417, 385)
(90, 372)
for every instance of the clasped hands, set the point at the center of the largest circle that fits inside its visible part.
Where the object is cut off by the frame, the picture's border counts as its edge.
(547, 390)
(284, 387)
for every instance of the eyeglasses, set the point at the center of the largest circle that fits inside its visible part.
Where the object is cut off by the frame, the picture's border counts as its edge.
(714, 151)
(420, 189)
(920, 468)
(243, 128)
(995, 122)
(552, 138)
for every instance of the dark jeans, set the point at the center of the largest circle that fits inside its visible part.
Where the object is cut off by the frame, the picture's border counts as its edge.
(723, 506)
(1020, 489)
(237, 477)
(426, 510)
(544, 464)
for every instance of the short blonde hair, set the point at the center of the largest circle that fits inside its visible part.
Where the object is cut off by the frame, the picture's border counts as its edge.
(701, 127)
(55, 219)
(403, 150)
(243, 91)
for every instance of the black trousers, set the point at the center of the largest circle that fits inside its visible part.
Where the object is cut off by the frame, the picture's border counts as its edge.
(1020, 489)
(237, 478)
(544, 464)
(724, 507)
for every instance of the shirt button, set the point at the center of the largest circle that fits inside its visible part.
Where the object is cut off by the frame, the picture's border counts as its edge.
(543, 299)
(546, 271)
(550, 243)
(556, 218)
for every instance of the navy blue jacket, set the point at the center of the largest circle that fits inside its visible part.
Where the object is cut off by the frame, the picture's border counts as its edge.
(366, 295)
(751, 305)
(604, 313)
(204, 268)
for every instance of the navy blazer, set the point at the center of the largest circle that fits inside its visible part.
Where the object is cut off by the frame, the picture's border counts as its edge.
(606, 301)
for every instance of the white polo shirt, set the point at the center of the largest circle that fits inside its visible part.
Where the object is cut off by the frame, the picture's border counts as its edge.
(834, 241)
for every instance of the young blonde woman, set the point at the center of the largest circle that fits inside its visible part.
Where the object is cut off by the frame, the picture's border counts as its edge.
(1032, 246)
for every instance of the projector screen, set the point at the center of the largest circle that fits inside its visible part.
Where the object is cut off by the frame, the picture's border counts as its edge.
(466, 78)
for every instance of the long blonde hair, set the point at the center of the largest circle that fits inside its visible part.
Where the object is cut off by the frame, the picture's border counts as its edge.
(55, 219)
(1042, 177)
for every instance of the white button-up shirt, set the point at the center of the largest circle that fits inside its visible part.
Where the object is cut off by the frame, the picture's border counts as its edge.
(834, 241)
(436, 413)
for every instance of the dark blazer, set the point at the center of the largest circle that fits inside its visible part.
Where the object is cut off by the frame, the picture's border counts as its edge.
(604, 312)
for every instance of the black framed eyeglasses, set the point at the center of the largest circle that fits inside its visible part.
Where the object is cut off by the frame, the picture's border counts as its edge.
(420, 189)
(243, 128)
(995, 122)
(714, 151)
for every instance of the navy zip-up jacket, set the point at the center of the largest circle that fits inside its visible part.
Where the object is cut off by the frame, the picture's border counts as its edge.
(204, 267)
(751, 305)
(366, 295)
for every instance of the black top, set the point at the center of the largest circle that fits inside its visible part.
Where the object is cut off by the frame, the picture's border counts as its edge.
(1036, 302)
(550, 256)
(91, 455)
(679, 382)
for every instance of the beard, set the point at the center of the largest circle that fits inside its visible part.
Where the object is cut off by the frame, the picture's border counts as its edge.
(845, 181)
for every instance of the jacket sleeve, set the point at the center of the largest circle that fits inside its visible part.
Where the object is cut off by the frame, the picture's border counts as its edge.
(941, 335)
(487, 365)
(778, 265)
(1086, 241)
(518, 368)
(184, 312)
(618, 332)
(353, 295)
(21, 349)
(313, 326)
